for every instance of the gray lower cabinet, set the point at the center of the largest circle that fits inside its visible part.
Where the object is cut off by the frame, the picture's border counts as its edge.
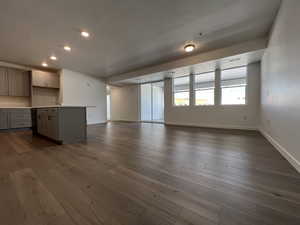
(42, 121)
(15, 118)
(62, 124)
(4, 124)
(20, 118)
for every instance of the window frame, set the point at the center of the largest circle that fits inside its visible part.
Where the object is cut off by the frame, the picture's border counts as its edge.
(173, 91)
(246, 87)
(194, 89)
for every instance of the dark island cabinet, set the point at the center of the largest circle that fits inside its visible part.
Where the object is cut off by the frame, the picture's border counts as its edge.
(62, 124)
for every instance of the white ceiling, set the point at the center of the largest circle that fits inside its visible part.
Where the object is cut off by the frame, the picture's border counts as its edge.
(125, 34)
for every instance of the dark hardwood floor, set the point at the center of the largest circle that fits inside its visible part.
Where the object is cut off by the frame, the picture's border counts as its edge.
(146, 174)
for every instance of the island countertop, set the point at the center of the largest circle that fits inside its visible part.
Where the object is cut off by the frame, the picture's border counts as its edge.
(37, 107)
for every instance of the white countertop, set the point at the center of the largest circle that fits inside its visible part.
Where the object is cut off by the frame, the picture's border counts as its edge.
(15, 107)
(58, 106)
(36, 107)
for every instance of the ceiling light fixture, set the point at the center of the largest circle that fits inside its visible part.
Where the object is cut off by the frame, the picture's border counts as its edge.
(67, 48)
(53, 57)
(233, 60)
(189, 48)
(85, 34)
(44, 64)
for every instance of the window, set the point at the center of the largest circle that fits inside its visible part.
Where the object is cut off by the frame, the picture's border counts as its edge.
(181, 91)
(233, 84)
(204, 87)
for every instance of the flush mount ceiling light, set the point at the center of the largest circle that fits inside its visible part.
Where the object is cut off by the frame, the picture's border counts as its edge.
(67, 48)
(53, 57)
(189, 48)
(44, 64)
(234, 60)
(85, 34)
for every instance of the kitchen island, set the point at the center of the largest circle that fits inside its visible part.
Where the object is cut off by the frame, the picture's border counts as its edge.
(62, 124)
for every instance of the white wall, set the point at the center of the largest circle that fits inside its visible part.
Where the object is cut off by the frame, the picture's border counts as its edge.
(241, 117)
(125, 103)
(125, 106)
(280, 108)
(83, 90)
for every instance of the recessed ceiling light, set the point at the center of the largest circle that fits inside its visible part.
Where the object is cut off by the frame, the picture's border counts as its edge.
(53, 57)
(85, 34)
(189, 48)
(44, 64)
(67, 48)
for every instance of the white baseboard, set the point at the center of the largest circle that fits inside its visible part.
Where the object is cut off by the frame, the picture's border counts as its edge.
(212, 126)
(128, 121)
(95, 123)
(283, 151)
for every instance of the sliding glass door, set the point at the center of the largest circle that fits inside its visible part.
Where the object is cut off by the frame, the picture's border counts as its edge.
(152, 102)
(146, 102)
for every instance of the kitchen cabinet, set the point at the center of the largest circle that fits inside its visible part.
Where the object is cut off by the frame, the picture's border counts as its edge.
(14, 82)
(4, 124)
(47, 124)
(18, 82)
(44, 79)
(11, 118)
(42, 121)
(3, 82)
(20, 118)
(62, 124)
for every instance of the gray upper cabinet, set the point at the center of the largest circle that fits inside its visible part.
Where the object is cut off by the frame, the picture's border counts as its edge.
(3, 82)
(18, 82)
(45, 79)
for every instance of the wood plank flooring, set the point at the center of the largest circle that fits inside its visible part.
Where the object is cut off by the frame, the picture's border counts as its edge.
(147, 174)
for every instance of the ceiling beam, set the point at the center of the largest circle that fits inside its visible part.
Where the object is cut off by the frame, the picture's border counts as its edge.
(240, 48)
